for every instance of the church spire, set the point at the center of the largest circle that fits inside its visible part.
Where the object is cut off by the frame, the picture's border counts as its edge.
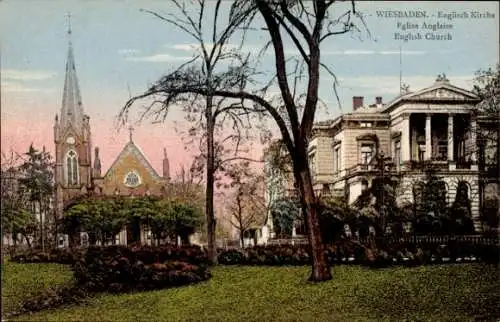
(72, 108)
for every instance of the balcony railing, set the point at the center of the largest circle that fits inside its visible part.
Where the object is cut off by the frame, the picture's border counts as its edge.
(360, 168)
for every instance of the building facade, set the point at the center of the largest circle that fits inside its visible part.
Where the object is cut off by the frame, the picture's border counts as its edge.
(438, 125)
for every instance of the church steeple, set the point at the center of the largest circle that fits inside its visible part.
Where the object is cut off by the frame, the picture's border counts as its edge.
(72, 138)
(72, 108)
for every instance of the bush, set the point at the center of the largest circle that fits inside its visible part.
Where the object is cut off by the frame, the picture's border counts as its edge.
(56, 255)
(122, 269)
(54, 297)
(382, 254)
(230, 257)
(274, 255)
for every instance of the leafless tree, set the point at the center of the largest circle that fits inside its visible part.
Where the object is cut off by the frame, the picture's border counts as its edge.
(208, 114)
(246, 204)
(307, 25)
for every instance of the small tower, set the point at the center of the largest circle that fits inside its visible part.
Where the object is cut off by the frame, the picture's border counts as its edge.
(72, 138)
(166, 166)
(56, 130)
(97, 163)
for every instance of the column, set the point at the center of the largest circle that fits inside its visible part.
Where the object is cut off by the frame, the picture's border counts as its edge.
(405, 138)
(414, 145)
(428, 137)
(450, 138)
(473, 143)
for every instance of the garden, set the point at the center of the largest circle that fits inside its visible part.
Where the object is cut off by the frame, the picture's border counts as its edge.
(414, 280)
(253, 293)
(379, 272)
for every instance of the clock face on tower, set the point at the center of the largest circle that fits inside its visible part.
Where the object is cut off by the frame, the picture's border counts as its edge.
(70, 140)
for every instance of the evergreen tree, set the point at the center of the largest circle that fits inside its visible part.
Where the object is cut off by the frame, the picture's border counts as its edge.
(37, 182)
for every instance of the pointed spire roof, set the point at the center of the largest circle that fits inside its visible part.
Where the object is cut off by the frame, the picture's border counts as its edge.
(72, 108)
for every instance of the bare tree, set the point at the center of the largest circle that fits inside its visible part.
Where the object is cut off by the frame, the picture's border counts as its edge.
(307, 25)
(206, 112)
(247, 204)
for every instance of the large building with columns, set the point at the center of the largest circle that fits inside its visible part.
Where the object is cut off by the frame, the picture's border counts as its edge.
(438, 125)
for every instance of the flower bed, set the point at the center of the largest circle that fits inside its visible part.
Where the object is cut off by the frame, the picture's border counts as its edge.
(116, 269)
(120, 269)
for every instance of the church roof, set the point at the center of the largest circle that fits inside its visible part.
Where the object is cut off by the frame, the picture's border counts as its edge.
(72, 107)
(132, 148)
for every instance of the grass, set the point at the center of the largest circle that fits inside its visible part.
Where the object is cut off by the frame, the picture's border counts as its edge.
(432, 293)
(24, 280)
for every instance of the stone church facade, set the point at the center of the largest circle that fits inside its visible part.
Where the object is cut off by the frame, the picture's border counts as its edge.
(438, 125)
(78, 167)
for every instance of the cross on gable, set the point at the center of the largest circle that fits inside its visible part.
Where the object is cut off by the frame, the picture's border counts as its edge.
(69, 23)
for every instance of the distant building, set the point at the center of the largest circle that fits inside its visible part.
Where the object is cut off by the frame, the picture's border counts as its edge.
(438, 125)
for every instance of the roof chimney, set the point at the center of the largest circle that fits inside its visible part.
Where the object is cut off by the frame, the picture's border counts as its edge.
(357, 102)
(378, 100)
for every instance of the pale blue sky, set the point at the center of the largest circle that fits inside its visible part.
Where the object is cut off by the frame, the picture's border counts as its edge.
(117, 46)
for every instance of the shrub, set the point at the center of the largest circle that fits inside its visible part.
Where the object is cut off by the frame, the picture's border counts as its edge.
(382, 254)
(230, 257)
(54, 297)
(56, 255)
(121, 269)
(289, 254)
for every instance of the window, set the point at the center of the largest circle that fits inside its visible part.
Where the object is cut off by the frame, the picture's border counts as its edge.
(72, 168)
(366, 153)
(397, 153)
(132, 179)
(312, 164)
(336, 159)
(442, 150)
(461, 150)
(421, 152)
(366, 124)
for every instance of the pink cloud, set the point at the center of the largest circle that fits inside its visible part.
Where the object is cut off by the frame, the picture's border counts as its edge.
(18, 133)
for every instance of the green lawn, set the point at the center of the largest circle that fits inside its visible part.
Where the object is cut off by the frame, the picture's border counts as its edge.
(437, 293)
(21, 280)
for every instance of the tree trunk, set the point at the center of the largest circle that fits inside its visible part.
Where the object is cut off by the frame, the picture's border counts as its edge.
(209, 205)
(56, 233)
(27, 240)
(242, 239)
(41, 226)
(320, 269)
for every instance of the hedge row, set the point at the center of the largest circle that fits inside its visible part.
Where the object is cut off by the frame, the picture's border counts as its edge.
(350, 252)
(58, 255)
(146, 254)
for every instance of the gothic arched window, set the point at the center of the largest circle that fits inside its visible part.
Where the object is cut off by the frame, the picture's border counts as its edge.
(72, 168)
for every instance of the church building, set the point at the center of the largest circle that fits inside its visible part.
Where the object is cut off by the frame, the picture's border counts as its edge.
(78, 171)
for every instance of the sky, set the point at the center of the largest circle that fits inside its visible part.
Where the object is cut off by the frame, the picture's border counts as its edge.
(120, 50)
